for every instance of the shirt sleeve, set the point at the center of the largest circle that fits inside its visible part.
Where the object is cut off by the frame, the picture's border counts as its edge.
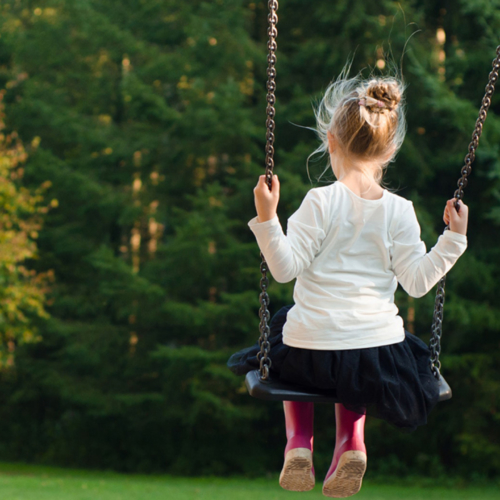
(287, 256)
(416, 270)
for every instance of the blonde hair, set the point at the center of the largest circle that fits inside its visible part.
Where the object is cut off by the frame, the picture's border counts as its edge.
(367, 118)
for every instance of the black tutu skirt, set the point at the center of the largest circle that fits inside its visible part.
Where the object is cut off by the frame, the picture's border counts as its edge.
(392, 382)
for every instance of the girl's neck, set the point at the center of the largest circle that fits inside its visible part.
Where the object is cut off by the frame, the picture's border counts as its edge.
(359, 178)
(362, 185)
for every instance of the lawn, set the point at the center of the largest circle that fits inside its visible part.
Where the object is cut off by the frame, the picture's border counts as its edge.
(22, 482)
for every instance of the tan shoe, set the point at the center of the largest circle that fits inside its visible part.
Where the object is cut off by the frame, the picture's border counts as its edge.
(297, 473)
(346, 479)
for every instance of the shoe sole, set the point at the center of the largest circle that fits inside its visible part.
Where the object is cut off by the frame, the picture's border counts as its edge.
(297, 471)
(347, 478)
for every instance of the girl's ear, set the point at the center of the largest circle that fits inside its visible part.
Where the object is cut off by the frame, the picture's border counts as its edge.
(332, 142)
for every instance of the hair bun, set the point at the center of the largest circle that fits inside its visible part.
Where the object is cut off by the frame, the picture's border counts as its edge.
(387, 92)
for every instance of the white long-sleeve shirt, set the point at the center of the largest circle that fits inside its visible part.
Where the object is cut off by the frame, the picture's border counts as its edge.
(348, 255)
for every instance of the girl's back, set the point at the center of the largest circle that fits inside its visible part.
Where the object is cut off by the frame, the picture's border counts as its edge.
(350, 277)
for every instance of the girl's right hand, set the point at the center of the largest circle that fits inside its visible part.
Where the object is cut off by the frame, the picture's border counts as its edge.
(456, 220)
(266, 201)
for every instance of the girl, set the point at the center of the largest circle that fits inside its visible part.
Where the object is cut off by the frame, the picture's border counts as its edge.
(349, 245)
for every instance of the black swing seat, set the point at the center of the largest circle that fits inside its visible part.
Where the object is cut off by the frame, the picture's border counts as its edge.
(275, 390)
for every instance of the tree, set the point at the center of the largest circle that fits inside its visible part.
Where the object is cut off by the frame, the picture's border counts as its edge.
(22, 290)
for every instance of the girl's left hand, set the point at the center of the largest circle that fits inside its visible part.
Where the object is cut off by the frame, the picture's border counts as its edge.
(266, 202)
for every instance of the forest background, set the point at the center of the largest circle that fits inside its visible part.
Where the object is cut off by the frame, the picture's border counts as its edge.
(133, 135)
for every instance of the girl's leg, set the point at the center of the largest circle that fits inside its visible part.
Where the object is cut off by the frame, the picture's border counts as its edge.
(349, 458)
(299, 422)
(298, 471)
(350, 433)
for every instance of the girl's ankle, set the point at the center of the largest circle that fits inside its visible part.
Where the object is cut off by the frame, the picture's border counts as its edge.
(351, 443)
(298, 442)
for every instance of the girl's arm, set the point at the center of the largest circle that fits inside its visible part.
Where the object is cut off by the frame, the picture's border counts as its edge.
(416, 270)
(287, 256)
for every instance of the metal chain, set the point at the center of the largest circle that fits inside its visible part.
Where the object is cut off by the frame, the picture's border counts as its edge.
(437, 321)
(265, 316)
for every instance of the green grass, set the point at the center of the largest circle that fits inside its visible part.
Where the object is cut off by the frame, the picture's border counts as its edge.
(23, 482)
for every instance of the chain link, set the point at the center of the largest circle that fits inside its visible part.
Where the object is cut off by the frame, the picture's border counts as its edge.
(437, 320)
(265, 316)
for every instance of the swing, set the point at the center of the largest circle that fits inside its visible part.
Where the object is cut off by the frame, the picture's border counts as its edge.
(259, 382)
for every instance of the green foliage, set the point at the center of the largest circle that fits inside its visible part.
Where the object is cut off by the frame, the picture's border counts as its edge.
(22, 290)
(150, 122)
